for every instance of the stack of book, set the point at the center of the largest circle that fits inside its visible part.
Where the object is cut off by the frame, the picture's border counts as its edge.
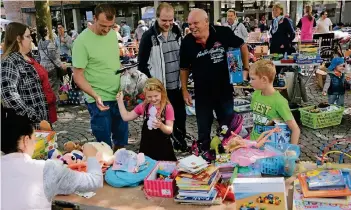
(196, 183)
(324, 188)
(225, 166)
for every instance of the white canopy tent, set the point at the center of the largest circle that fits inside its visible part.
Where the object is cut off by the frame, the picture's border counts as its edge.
(4, 22)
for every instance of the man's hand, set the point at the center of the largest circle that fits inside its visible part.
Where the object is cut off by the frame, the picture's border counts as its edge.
(187, 98)
(324, 93)
(100, 104)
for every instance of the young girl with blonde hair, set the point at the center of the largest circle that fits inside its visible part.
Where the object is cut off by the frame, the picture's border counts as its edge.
(155, 143)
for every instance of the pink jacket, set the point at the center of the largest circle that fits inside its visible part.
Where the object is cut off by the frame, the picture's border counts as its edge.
(306, 29)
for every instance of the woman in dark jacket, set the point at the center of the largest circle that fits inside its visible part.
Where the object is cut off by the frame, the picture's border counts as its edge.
(282, 32)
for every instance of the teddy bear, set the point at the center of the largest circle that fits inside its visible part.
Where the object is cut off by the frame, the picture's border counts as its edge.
(70, 146)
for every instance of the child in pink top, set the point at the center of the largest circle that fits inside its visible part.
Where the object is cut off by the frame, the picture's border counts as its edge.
(155, 137)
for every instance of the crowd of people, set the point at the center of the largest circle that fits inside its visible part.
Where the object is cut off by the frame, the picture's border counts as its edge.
(167, 54)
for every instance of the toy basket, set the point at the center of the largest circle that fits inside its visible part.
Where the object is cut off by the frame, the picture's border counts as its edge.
(280, 165)
(160, 188)
(320, 120)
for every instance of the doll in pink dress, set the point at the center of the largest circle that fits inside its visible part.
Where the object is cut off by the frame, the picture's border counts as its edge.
(245, 152)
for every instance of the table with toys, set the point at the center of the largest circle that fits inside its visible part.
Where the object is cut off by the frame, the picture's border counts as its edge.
(134, 198)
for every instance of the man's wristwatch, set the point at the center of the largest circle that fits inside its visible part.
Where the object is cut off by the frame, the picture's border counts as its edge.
(246, 69)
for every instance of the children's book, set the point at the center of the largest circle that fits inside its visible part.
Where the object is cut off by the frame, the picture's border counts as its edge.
(320, 193)
(235, 66)
(301, 203)
(202, 177)
(202, 186)
(196, 199)
(192, 164)
(197, 193)
(325, 180)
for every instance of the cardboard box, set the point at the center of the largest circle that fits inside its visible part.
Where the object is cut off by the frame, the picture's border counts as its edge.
(45, 141)
(260, 193)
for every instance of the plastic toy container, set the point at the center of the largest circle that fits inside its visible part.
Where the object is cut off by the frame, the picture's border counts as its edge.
(321, 119)
(280, 165)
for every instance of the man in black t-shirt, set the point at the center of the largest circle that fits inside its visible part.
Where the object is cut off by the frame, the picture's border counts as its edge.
(204, 52)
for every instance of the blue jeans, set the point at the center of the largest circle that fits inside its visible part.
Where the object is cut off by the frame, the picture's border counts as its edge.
(105, 123)
(204, 118)
(339, 99)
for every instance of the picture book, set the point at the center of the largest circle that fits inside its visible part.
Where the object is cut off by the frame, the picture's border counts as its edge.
(202, 177)
(325, 180)
(320, 193)
(196, 199)
(196, 193)
(260, 193)
(192, 164)
(235, 66)
(301, 203)
(200, 186)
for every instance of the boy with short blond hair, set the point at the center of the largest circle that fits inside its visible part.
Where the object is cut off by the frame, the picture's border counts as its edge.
(268, 105)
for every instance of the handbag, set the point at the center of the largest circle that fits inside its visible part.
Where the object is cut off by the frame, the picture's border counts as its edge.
(60, 71)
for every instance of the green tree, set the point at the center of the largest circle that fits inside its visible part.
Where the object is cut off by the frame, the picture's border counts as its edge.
(43, 15)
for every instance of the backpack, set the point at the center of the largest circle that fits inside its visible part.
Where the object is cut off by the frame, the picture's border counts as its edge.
(129, 179)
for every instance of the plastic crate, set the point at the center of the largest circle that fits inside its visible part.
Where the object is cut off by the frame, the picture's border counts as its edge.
(280, 165)
(322, 119)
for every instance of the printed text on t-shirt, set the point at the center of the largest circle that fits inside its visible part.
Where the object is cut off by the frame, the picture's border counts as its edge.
(217, 54)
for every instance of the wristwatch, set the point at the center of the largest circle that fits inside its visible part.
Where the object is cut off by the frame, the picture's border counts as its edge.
(246, 69)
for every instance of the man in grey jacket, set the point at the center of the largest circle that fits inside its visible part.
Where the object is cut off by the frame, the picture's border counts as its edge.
(159, 57)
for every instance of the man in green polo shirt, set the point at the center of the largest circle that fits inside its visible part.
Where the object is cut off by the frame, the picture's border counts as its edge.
(96, 60)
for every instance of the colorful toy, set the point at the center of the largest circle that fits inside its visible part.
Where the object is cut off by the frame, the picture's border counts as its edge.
(54, 154)
(322, 157)
(269, 199)
(70, 146)
(152, 117)
(68, 159)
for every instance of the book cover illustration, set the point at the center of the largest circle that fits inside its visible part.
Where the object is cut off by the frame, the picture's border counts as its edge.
(260, 193)
(325, 180)
(299, 202)
(322, 193)
(235, 66)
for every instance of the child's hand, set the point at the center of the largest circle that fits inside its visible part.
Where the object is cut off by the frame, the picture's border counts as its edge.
(324, 93)
(119, 96)
(276, 130)
(156, 123)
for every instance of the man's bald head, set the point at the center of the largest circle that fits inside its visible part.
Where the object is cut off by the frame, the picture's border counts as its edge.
(198, 23)
(200, 13)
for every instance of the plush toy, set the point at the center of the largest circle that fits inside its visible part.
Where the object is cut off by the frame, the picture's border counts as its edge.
(54, 154)
(129, 161)
(45, 126)
(68, 159)
(104, 152)
(78, 154)
(216, 142)
(70, 146)
(152, 117)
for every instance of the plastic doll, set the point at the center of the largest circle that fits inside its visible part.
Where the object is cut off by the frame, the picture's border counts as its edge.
(237, 142)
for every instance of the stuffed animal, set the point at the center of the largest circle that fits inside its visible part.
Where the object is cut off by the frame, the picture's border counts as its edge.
(78, 154)
(68, 159)
(54, 154)
(105, 153)
(45, 126)
(70, 146)
(152, 117)
(129, 161)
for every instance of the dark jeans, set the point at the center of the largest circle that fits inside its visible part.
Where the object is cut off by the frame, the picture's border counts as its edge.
(204, 117)
(105, 123)
(176, 98)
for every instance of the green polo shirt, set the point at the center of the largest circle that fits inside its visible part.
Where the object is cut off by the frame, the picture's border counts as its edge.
(99, 57)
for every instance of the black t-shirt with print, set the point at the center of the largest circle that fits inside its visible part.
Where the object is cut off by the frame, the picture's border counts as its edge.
(209, 64)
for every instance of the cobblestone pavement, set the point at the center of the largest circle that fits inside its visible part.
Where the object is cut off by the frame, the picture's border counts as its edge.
(74, 125)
